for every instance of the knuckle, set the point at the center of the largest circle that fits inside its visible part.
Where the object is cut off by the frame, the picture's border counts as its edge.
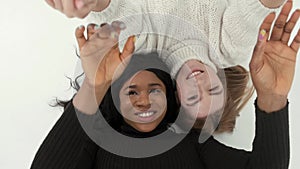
(280, 24)
(276, 36)
(288, 28)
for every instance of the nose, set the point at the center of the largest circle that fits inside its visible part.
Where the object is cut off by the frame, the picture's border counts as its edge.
(199, 91)
(143, 101)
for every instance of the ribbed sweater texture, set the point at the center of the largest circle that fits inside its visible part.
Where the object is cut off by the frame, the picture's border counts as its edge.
(67, 146)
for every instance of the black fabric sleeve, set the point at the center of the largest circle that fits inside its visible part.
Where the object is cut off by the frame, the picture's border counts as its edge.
(66, 146)
(271, 148)
(271, 145)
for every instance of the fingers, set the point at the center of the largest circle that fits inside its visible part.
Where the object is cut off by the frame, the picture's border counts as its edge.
(118, 26)
(79, 4)
(104, 31)
(90, 30)
(128, 48)
(50, 3)
(58, 5)
(278, 28)
(73, 8)
(79, 33)
(296, 42)
(112, 30)
(100, 39)
(68, 7)
(288, 28)
(256, 62)
(107, 31)
(83, 7)
(267, 23)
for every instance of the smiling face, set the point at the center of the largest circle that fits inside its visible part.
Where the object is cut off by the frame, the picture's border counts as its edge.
(200, 90)
(143, 101)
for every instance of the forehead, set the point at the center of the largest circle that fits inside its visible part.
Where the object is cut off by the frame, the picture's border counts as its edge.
(143, 77)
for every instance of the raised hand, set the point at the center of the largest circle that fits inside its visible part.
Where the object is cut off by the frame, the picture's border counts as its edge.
(99, 52)
(78, 8)
(273, 62)
(100, 58)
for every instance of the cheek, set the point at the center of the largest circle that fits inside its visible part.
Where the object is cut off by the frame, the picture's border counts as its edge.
(125, 104)
(191, 110)
(218, 103)
(187, 89)
(159, 100)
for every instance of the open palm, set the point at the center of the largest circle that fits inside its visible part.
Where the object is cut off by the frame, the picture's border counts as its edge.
(273, 62)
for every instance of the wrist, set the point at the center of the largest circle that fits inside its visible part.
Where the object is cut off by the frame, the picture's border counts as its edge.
(89, 97)
(96, 87)
(271, 102)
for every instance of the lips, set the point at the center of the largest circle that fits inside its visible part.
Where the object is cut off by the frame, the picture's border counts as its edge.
(146, 117)
(194, 73)
(145, 114)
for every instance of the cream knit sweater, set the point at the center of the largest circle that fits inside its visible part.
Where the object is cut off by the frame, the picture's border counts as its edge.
(220, 33)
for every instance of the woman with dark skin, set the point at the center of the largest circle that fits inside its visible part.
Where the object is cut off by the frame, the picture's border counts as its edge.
(272, 70)
(233, 39)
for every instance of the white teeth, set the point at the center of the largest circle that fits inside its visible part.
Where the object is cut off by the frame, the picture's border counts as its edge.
(146, 114)
(194, 74)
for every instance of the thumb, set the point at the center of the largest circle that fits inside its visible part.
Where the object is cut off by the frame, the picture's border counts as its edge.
(128, 48)
(257, 59)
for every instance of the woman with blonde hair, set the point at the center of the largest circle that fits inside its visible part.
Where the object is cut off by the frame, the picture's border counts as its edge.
(219, 34)
(68, 146)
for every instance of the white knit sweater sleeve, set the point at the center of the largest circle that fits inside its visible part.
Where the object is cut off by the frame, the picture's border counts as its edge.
(116, 9)
(240, 27)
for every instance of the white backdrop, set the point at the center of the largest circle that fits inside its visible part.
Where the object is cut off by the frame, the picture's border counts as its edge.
(37, 51)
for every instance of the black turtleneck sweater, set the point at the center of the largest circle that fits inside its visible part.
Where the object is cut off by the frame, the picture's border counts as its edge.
(67, 146)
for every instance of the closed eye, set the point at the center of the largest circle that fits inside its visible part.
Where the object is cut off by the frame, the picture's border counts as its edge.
(193, 100)
(215, 90)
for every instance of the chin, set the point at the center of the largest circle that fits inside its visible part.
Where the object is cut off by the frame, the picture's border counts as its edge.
(202, 115)
(145, 128)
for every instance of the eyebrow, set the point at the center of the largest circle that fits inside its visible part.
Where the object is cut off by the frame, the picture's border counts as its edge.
(135, 86)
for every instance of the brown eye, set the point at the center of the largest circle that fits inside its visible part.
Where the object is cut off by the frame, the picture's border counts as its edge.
(131, 93)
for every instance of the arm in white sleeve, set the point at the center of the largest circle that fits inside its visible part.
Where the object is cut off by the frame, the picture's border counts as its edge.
(240, 26)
